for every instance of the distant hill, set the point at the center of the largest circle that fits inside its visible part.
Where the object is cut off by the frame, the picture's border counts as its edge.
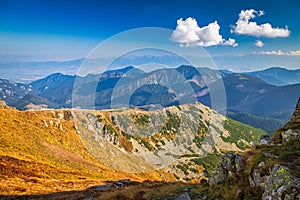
(129, 69)
(270, 125)
(57, 88)
(11, 92)
(278, 76)
(30, 101)
(252, 95)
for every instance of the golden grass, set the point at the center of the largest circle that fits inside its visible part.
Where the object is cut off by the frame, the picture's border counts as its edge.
(37, 159)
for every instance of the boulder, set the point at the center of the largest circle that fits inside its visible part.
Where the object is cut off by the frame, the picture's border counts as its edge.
(68, 115)
(281, 184)
(231, 163)
(265, 140)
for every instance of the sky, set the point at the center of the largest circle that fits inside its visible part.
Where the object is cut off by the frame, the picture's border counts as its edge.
(238, 35)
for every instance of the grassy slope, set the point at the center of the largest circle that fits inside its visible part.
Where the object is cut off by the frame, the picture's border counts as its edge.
(39, 159)
(270, 125)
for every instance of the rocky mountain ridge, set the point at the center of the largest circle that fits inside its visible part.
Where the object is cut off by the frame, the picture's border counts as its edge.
(270, 170)
(178, 139)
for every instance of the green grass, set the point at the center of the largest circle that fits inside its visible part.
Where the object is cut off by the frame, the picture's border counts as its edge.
(241, 131)
(210, 162)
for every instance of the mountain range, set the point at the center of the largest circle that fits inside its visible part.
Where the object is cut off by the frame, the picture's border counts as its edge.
(252, 93)
(278, 76)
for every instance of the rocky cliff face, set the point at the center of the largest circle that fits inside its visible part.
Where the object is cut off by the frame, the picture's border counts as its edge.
(291, 130)
(271, 170)
(296, 116)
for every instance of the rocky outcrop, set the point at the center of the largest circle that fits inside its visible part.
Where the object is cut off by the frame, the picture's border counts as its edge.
(296, 115)
(265, 139)
(291, 130)
(281, 184)
(272, 165)
(231, 163)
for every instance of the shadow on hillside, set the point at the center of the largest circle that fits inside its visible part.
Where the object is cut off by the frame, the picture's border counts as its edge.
(113, 190)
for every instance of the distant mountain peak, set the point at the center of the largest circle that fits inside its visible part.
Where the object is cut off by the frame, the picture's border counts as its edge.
(278, 76)
(128, 69)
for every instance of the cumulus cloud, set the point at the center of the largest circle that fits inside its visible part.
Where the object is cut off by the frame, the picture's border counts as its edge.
(245, 27)
(230, 42)
(259, 43)
(189, 34)
(280, 53)
(294, 53)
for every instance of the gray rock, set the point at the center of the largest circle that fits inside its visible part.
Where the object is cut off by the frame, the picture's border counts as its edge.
(118, 184)
(290, 135)
(125, 181)
(262, 163)
(230, 164)
(265, 140)
(102, 187)
(281, 184)
(239, 162)
(257, 179)
(68, 115)
(184, 196)
(217, 177)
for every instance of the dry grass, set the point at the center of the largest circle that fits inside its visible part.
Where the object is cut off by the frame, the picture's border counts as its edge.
(37, 159)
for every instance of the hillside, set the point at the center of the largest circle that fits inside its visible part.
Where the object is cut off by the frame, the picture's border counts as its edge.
(278, 76)
(268, 171)
(59, 150)
(251, 95)
(41, 152)
(31, 101)
(11, 92)
(168, 139)
(56, 88)
(270, 125)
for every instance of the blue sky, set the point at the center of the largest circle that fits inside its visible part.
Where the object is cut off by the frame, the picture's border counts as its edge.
(36, 30)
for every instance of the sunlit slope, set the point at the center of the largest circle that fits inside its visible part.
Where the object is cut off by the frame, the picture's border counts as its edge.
(176, 139)
(41, 152)
(58, 150)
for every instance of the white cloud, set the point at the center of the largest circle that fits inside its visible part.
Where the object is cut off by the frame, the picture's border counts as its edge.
(189, 34)
(230, 42)
(259, 43)
(294, 53)
(280, 53)
(245, 27)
